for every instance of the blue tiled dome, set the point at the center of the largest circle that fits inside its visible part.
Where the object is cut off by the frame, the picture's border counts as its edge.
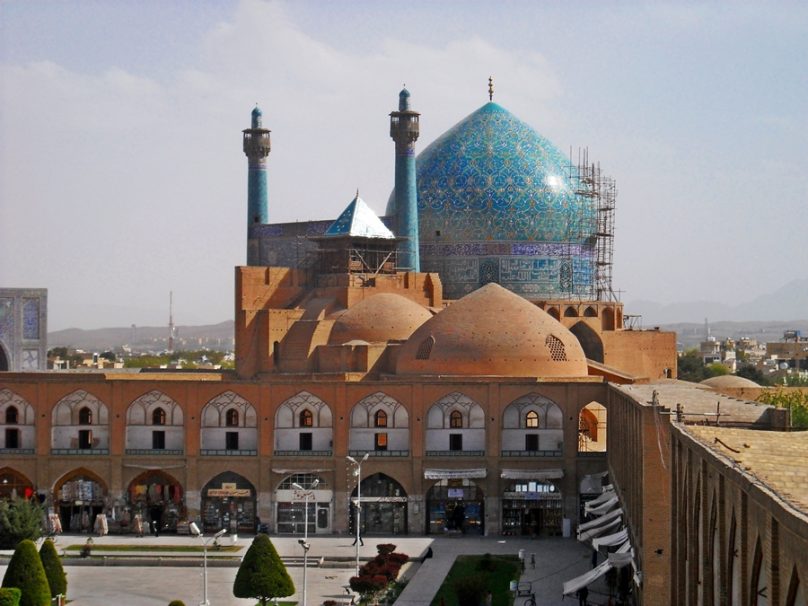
(495, 204)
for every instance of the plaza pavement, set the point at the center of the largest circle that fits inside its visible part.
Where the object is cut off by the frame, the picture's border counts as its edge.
(160, 578)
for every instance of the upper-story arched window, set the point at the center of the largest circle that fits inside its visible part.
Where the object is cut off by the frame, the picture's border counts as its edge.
(158, 416)
(306, 418)
(231, 418)
(455, 419)
(380, 419)
(12, 415)
(532, 419)
(85, 416)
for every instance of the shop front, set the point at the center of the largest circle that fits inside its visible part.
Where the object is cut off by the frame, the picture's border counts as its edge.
(384, 507)
(78, 500)
(298, 492)
(157, 498)
(455, 503)
(228, 502)
(531, 503)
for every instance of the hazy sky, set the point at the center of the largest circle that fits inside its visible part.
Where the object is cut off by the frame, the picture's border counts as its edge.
(122, 175)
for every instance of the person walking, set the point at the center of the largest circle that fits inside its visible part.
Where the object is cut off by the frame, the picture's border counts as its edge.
(582, 594)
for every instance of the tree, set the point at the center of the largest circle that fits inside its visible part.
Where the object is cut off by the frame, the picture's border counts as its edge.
(19, 519)
(691, 366)
(52, 563)
(25, 572)
(747, 371)
(716, 369)
(793, 399)
(262, 575)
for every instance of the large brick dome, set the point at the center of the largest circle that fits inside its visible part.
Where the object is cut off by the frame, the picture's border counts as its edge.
(492, 331)
(380, 318)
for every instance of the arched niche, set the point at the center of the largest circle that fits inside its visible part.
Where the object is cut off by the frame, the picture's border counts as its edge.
(367, 433)
(364, 412)
(68, 410)
(439, 414)
(303, 425)
(14, 484)
(229, 425)
(455, 423)
(80, 421)
(532, 425)
(215, 412)
(141, 411)
(79, 496)
(592, 428)
(589, 340)
(302, 498)
(384, 507)
(228, 502)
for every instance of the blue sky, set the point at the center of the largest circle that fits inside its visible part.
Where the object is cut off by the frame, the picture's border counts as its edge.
(122, 176)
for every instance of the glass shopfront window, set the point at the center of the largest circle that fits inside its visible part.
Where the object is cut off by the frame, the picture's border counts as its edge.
(531, 508)
(455, 506)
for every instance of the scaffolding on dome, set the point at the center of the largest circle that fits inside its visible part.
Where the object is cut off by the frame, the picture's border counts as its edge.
(592, 184)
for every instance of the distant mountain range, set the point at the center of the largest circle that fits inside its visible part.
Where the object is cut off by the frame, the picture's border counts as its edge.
(764, 318)
(786, 304)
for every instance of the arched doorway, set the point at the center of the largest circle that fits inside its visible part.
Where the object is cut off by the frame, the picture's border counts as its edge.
(384, 507)
(589, 340)
(592, 428)
(79, 497)
(295, 494)
(228, 501)
(455, 505)
(13, 485)
(158, 497)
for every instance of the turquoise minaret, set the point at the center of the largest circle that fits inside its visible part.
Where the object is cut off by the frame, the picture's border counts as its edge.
(256, 147)
(404, 130)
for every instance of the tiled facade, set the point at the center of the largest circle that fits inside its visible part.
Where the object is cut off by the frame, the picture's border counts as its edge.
(23, 328)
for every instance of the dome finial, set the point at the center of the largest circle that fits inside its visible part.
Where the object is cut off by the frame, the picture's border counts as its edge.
(490, 88)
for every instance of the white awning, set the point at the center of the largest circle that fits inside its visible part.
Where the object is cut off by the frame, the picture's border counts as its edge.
(604, 507)
(620, 560)
(611, 539)
(532, 474)
(625, 547)
(601, 520)
(597, 531)
(605, 496)
(589, 577)
(454, 474)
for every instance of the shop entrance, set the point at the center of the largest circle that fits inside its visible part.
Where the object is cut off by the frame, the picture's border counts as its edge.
(158, 498)
(384, 507)
(455, 506)
(299, 491)
(79, 499)
(531, 508)
(228, 501)
(13, 485)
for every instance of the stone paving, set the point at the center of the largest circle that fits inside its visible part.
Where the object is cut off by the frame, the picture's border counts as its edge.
(167, 577)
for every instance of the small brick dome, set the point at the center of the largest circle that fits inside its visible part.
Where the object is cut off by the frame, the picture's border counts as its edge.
(379, 318)
(492, 331)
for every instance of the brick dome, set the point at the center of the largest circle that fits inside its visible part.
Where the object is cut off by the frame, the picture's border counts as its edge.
(379, 318)
(492, 331)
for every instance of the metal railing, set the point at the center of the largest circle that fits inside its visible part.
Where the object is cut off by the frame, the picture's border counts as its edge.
(455, 453)
(80, 451)
(19, 451)
(380, 453)
(531, 453)
(302, 453)
(214, 452)
(155, 451)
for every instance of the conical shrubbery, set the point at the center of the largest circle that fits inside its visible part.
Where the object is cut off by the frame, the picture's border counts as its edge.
(52, 563)
(26, 573)
(262, 575)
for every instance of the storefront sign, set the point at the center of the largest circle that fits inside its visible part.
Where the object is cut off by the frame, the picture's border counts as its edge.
(532, 496)
(229, 490)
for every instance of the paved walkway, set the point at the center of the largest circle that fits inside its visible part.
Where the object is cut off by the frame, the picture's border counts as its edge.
(180, 577)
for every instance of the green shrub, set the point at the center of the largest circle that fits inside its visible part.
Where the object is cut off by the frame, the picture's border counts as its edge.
(262, 574)
(9, 596)
(52, 563)
(25, 572)
(176, 603)
(19, 519)
(470, 591)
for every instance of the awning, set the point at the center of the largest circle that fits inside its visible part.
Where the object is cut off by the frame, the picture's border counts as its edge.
(621, 560)
(611, 539)
(589, 577)
(290, 471)
(597, 531)
(605, 506)
(600, 520)
(589, 505)
(532, 474)
(454, 474)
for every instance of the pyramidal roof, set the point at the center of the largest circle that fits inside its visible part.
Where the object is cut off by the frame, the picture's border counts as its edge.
(359, 220)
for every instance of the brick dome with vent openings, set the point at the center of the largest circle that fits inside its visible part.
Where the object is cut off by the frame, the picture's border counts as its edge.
(492, 332)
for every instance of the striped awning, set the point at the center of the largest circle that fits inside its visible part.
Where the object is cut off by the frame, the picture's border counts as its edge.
(609, 540)
(587, 578)
(601, 520)
(605, 496)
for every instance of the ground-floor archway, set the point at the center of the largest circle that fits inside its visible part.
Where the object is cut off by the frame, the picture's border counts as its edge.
(157, 497)
(384, 507)
(301, 499)
(592, 427)
(455, 505)
(78, 497)
(13, 484)
(532, 507)
(228, 501)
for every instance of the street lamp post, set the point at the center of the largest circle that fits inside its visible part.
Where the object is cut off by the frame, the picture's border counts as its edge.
(198, 533)
(358, 473)
(304, 542)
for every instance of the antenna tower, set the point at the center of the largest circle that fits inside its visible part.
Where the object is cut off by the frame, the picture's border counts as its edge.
(171, 328)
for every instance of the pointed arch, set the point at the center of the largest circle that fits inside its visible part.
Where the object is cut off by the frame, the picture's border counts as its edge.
(796, 594)
(14, 483)
(80, 473)
(571, 312)
(141, 410)
(518, 432)
(289, 412)
(590, 312)
(759, 580)
(440, 413)
(554, 313)
(10, 399)
(592, 428)
(713, 572)
(214, 413)
(363, 413)
(589, 340)
(67, 410)
(734, 572)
